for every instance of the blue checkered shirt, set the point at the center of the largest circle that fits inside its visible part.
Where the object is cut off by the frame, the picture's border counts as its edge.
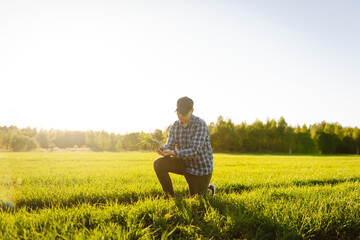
(192, 144)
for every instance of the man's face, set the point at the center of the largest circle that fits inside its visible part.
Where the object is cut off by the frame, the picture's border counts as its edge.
(184, 118)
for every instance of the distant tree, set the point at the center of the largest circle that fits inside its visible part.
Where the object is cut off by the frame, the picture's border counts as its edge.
(90, 140)
(356, 137)
(270, 129)
(20, 142)
(59, 139)
(327, 142)
(113, 141)
(256, 135)
(289, 140)
(305, 144)
(166, 134)
(79, 138)
(31, 143)
(346, 145)
(17, 143)
(131, 141)
(118, 143)
(242, 132)
(211, 127)
(30, 132)
(241, 129)
(104, 141)
(281, 144)
(43, 139)
(2, 138)
(224, 137)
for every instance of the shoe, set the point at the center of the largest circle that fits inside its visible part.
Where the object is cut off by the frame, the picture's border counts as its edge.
(211, 189)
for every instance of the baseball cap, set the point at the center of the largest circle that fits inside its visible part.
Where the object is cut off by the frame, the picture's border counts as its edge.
(184, 105)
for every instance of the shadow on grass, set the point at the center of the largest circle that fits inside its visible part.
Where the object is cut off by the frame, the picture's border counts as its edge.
(221, 218)
(129, 197)
(288, 155)
(238, 188)
(323, 182)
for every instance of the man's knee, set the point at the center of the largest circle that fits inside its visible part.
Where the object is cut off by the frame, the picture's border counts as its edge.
(158, 162)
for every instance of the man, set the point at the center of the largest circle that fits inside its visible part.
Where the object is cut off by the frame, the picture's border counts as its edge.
(187, 152)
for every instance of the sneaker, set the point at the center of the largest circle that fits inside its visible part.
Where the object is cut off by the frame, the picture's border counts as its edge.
(211, 189)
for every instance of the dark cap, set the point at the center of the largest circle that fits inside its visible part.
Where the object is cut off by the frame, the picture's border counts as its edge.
(184, 105)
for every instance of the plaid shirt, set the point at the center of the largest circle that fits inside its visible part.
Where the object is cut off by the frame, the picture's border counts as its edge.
(193, 145)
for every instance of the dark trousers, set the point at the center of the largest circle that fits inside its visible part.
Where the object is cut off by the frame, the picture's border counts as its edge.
(164, 165)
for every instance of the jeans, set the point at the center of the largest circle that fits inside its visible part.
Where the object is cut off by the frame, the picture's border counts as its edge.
(164, 165)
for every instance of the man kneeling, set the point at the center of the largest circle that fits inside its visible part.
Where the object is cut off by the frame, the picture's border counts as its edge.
(193, 156)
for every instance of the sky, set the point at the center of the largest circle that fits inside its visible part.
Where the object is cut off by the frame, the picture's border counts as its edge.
(120, 66)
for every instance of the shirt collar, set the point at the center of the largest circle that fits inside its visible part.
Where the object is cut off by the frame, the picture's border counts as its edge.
(191, 121)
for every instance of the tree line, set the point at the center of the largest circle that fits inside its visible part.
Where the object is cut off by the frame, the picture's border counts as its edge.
(278, 137)
(259, 137)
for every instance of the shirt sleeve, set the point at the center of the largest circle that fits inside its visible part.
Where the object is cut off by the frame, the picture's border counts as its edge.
(201, 132)
(170, 143)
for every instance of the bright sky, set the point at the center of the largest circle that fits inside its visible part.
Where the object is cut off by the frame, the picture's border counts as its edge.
(120, 66)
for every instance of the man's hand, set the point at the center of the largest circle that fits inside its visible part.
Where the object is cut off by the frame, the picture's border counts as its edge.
(164, 153)
(168, 153)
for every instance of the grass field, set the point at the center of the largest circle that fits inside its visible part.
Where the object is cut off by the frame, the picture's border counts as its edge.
(92, 195)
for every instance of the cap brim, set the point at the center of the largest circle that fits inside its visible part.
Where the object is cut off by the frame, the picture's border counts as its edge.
(182, 111)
